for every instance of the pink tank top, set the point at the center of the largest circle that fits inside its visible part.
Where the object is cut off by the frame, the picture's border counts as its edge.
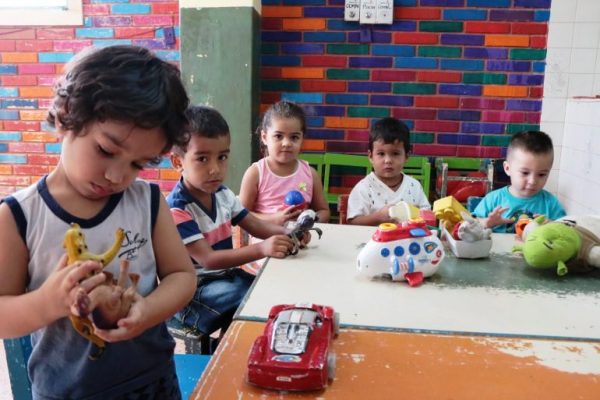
(273, 188)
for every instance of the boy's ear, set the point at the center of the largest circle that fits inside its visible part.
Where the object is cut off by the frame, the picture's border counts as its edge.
(176, 161)
(506, 167)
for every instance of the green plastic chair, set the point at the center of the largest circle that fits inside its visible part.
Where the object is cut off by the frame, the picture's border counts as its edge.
(419, 168)
(445, 164)
(341, 160)
(315, 160)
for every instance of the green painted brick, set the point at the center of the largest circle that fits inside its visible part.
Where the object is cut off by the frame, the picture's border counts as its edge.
(422, 138)
(440, 26)
(484, 78)
(280, 85)
(348, 48)
(439, 51)
(368, 112)
(496, 140)
(527, 54)
(515, 128)
(349, 74)
(413, 88)
(269, 48)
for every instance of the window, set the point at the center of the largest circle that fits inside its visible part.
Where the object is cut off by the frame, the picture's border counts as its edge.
(40, 12)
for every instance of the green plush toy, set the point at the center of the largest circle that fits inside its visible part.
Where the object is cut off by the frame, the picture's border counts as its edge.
(562, 244)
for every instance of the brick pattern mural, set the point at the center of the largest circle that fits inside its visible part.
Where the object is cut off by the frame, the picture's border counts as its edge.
(463, 74)
(30, 59)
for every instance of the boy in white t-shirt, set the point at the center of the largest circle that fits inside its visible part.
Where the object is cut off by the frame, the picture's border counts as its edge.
(370, 199)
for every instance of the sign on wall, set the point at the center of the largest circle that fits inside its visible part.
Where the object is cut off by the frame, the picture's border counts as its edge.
(369, 11)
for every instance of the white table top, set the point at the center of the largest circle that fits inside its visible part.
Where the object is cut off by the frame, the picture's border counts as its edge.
(495, 296)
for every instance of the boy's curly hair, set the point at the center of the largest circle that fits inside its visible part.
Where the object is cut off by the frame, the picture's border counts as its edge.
(536, 142)
(205, 122)
(390, 130)
(123, 83)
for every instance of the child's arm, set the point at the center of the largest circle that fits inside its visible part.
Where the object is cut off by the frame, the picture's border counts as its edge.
(378, 217)
(176, 288)
(319, 203)
(495, 218)
(249, 192)
(24, 312)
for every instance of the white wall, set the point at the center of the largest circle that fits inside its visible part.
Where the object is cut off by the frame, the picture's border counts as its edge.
(573, 69)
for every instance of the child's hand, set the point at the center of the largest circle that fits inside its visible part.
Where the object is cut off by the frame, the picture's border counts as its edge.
(286, 214)
(495, 217)
(383, 214)
(277, 246)
(133, 325)
(305, 240)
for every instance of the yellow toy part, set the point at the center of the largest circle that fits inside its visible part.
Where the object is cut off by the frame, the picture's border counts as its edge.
(448, 210)
(403, 212)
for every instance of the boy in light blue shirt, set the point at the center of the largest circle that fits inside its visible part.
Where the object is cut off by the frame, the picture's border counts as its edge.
(528, 164)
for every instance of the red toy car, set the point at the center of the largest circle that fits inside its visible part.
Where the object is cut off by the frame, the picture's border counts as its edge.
(293, 351)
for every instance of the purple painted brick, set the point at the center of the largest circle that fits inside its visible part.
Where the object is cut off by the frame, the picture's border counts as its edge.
(151, 43)
(332, 111)
(533, 3)
(370, 62)
(527, 105)
(446, 138)
(443, 3)
(302, 48)
(457, 115)
(471, 127)
(533, 80)
(473, 40)
(324, 134)
(376, 37)
(337, 2)
(485, 52)
(111, 20)
(369, 87)
(324, 12)
(517, 66)
(511, 15)
(468, 90)
(389, 100)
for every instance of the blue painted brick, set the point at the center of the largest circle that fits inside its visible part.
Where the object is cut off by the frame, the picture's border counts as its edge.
(304, 2)
(17, 103)
(376, 37)
(511, 15)
(384, 87)
(331, 37)
(280, 61)
(331, 111)
(88, 22)
(527, 105)
(8, 69)
(52, 148)
(168, 55)
(130, 9)
(324, 12)
(471, 127)
(341, 25)
(6, 136)
(370, 62)
(525, 79)
(303, 97)
(468, 90)
(94, 33)
(281, 36)
(443, 3)
(9, 114)
(337, 2)
(315, 121)
(462, 65)
(485, 52)
(541, 16)
(489, 3)
(458, 115)
(9, 92)
(13, 159)
(405, 3)
(400, 26)
(55, 57)
(302, 48)
(465, 15)
(46, 127)
(473, 40)
(517, 66)
(446, 138)
(532, 3)
(111, 42)
(324, 134)
(3, 147)
(390, 100)
(392, 50)
(341, 98)
(165, 163)
(415, 62)
(538, 66)
(160, 33)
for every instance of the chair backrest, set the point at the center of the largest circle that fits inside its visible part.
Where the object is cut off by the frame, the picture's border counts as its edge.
(315, 160)
(419, 168)
(341, 160)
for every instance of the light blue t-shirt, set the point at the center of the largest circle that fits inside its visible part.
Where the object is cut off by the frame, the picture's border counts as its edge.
(544, 203)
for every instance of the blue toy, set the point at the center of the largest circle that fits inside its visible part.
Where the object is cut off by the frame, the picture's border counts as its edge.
(293, 198)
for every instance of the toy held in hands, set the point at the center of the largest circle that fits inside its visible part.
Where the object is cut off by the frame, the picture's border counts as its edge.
(305, 223)
(295, 198)
(293, 353)
(405, 252)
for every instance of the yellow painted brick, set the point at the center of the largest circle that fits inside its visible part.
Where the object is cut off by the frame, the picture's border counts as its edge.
(507, 40)
(33, 115)
(304, 24)
(303, 73)
(169, 174)
(20, 57)
(281, 12)
(313, 145)
(35, 91)
(340, 122)
(505, 91)
(45, 137)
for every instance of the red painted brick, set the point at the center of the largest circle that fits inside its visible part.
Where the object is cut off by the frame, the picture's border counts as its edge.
(165, 8)
(268, 98)
(25, 147)
(7, 190)
(17, 33)
(22, 125)
(486, 27)
(46, 80)
(44, 103)
(324, 61)
(18, 80)
(15, 180)
(55, 33)
(436, 101)
(271, 24)
(434, 150)
(71, 45)
(34, 45)
(538, 42)
(153, 20)
(532, 117)
(96, 9)
(536, 92)
(417, 13)
(530, 28)
(270, 72)
(502, 116)
(414, 113)
(43, 159)
(438, 76)
(390, 75)
(481, 104)
(129, 32)
(7, 45)
(437, 126)
(36, 69)
(323, 86)
(415, 38)
(166, 186)
(469, 151)
(357, 136)
(491, 152)
(151, 173)
(30, 169)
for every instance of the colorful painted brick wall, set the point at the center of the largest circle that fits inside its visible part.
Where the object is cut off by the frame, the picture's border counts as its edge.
(463, 74)
(30, 59)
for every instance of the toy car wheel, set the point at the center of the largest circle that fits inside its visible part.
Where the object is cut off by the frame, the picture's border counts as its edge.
(331, 366)
(336, 323)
